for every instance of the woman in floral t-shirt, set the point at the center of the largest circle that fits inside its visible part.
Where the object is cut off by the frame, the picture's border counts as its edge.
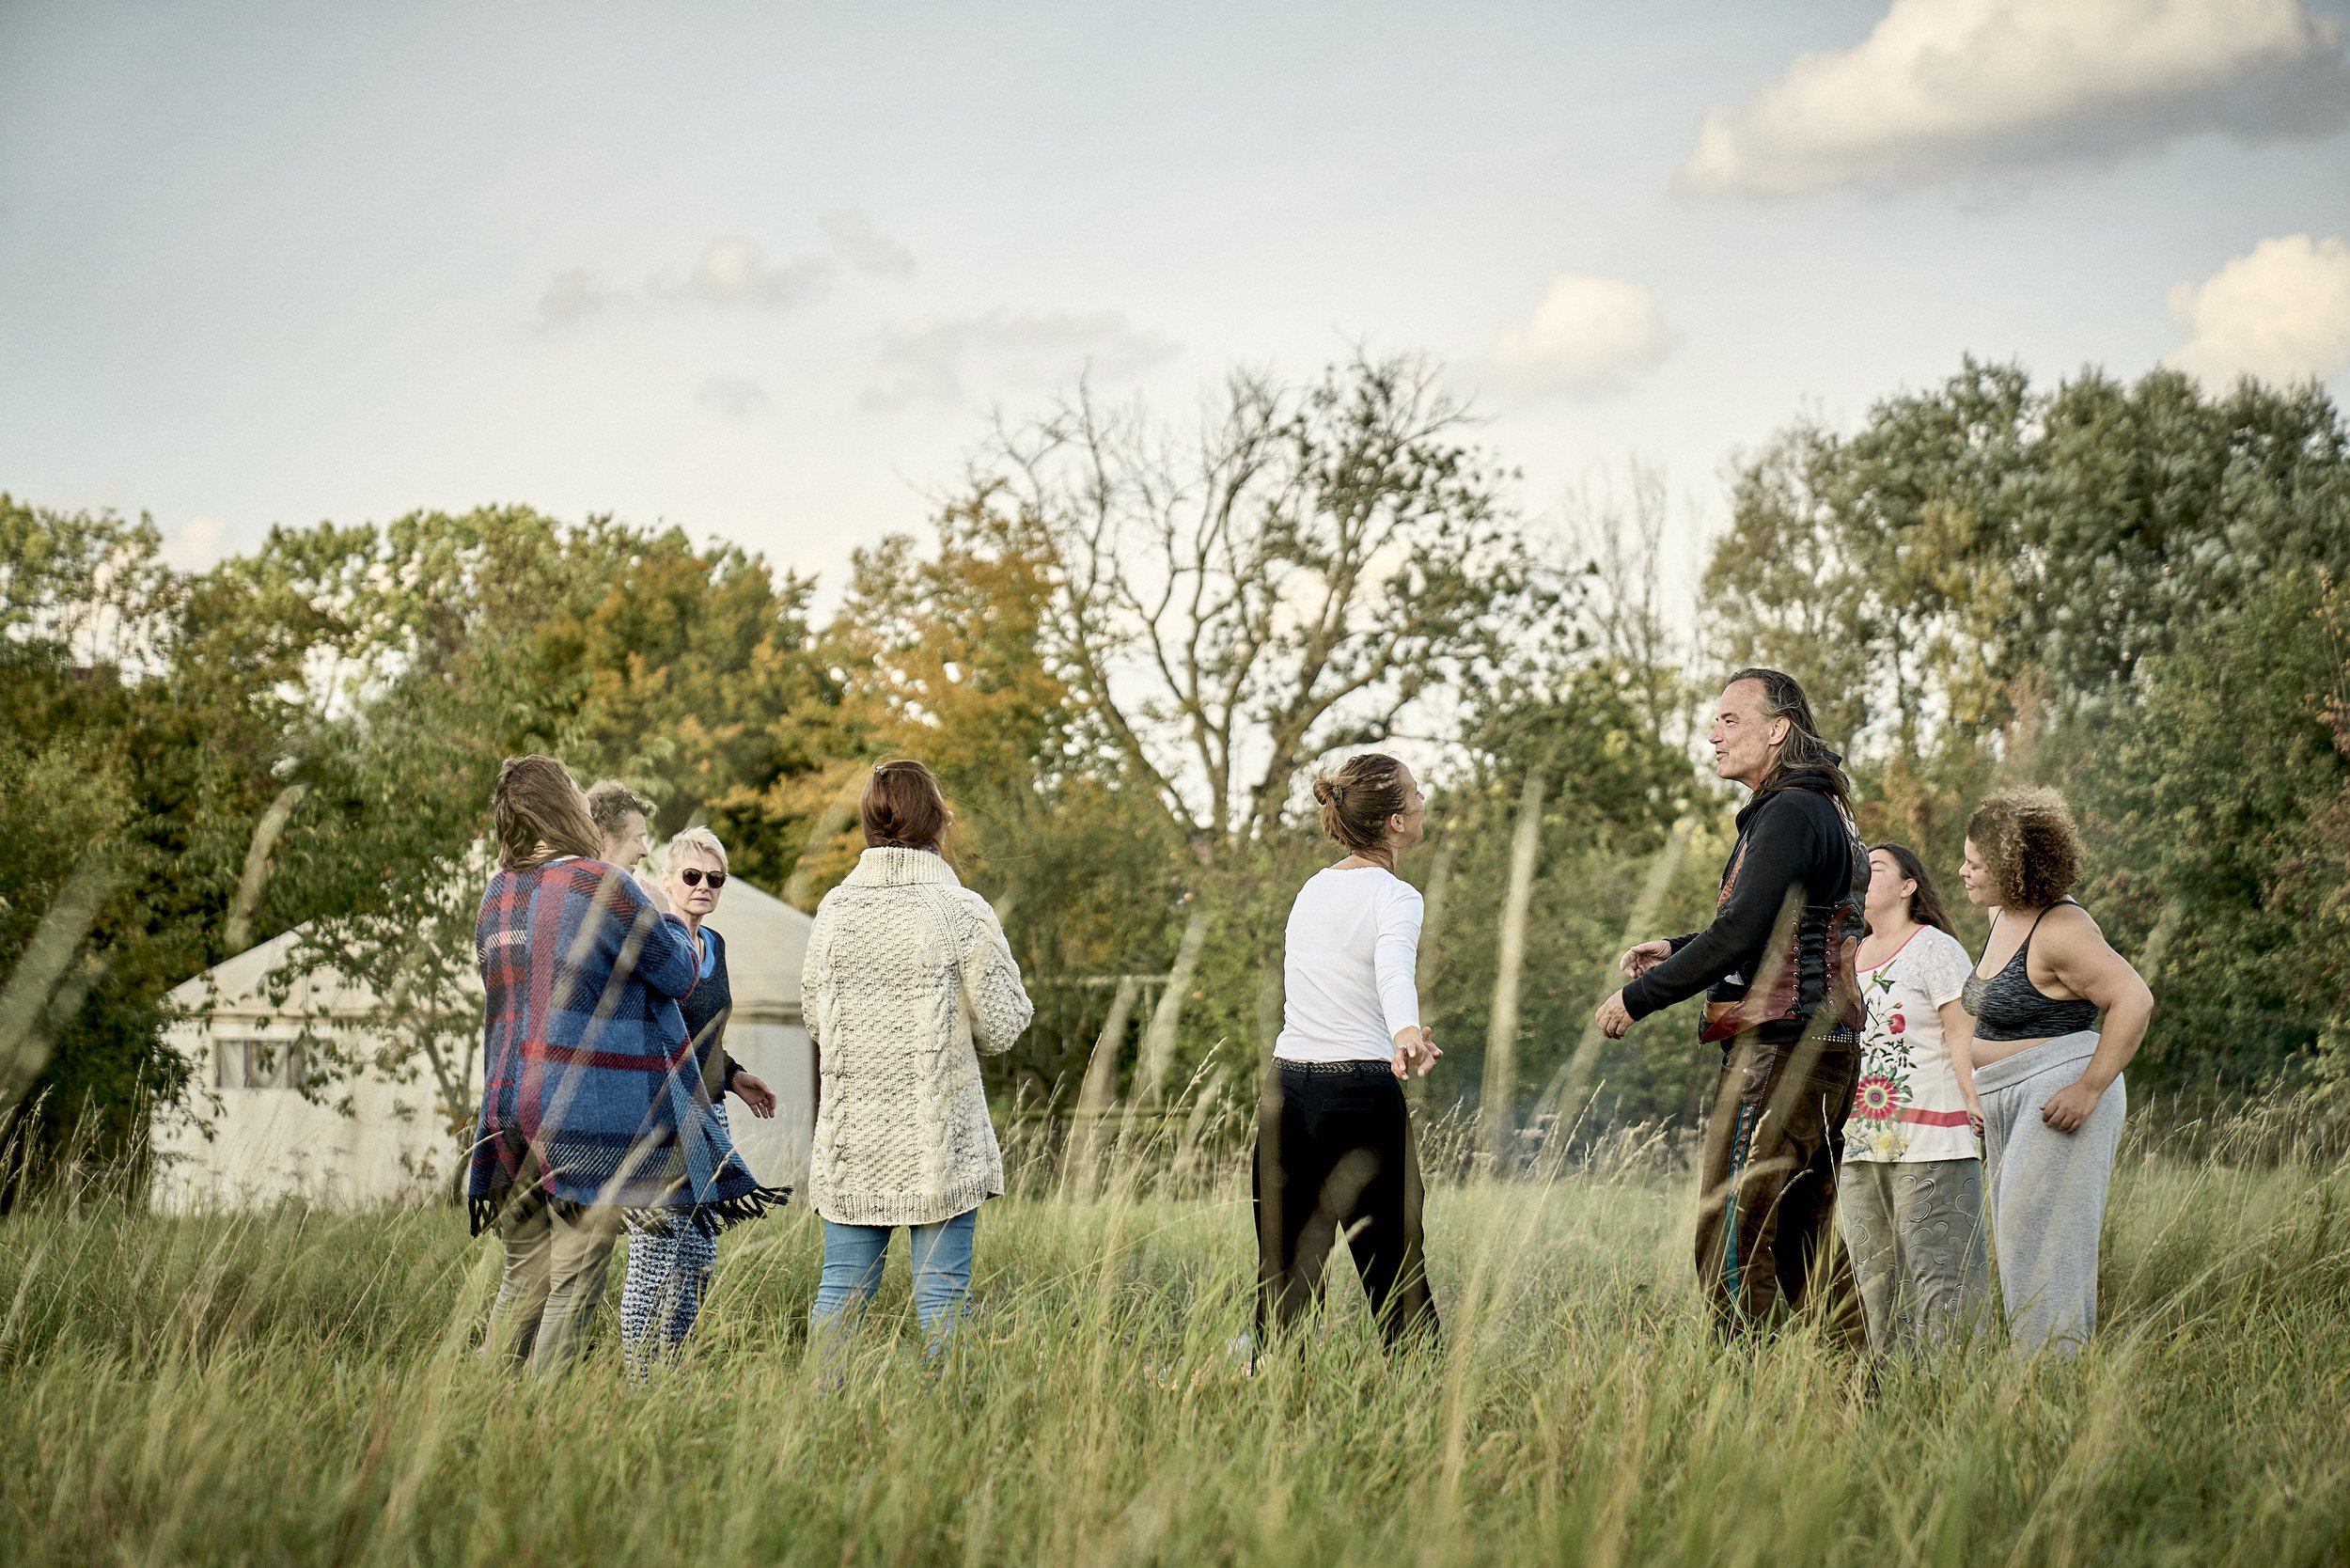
(1910, 1203)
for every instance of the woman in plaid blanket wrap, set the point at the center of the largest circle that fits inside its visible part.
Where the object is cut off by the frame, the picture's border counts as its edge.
(593, 1108)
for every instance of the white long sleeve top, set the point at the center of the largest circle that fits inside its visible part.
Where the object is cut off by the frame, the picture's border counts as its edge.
(1348, 962)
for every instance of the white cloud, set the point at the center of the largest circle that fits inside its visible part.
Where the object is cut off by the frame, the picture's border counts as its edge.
(928, 361)
(2280, 314)
(1954, 88)
(736, 397)
(737, 271)
(864, 247)
(731, 272)
(1589, 334)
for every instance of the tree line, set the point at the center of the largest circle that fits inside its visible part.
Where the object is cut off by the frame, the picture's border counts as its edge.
(1123, 643)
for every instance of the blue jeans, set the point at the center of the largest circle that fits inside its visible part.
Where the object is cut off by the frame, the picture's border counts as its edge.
(853, 1255)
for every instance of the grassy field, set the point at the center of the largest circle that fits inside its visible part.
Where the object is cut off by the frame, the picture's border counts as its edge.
(301, 1388)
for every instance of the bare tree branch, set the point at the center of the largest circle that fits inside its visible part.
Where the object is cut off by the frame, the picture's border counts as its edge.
(1301, 568)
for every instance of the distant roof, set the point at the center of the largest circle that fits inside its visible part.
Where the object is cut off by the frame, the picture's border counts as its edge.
(233, 987)
(766, 945)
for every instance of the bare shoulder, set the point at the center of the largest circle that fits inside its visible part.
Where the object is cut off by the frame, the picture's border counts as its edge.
(2071, 920)
(2069, 931)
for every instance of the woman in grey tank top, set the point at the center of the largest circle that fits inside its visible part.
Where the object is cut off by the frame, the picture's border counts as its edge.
(2050, 1082)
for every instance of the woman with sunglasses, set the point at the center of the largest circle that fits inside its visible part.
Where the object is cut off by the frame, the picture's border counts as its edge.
(668, 1268)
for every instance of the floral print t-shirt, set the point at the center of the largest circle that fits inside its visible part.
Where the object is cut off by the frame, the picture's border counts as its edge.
(1908, 1107)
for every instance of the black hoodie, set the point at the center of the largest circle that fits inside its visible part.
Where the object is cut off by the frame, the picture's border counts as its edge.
(1795, 846)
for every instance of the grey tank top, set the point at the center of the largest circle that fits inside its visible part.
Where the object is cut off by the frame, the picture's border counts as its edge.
(2007, 1006)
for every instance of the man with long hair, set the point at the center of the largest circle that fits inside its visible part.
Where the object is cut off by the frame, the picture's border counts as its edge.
(1777, 967)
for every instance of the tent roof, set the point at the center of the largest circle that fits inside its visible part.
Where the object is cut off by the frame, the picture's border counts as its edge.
(766, 945)
(233, 987)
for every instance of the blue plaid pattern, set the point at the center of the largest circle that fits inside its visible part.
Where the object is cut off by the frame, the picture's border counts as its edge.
(591, 1092)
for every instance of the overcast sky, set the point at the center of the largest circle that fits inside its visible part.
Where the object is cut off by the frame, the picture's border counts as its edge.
(762, 271)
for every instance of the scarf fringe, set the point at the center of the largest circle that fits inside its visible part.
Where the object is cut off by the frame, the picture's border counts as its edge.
(711, 1219)
(486, 1211)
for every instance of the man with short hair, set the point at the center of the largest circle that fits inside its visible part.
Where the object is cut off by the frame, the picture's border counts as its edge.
(1781, 999)
(622, 817)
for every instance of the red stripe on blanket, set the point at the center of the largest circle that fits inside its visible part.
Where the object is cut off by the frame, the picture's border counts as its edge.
(1934, 1119)
(580, 1057)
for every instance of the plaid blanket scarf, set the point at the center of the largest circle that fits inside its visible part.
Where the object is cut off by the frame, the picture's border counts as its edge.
(592, 1095)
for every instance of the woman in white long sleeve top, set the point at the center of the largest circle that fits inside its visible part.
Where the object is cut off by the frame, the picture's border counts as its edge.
(1334, 1138)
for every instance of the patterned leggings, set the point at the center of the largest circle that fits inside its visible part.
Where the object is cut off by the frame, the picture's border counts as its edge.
(667, 1275)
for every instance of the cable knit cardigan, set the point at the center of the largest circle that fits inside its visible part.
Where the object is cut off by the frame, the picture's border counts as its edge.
(907, 972)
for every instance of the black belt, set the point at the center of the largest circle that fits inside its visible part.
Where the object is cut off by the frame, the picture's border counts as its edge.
(1342, 1068)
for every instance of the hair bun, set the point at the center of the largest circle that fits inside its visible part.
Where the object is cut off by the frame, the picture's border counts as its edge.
(1327, 792)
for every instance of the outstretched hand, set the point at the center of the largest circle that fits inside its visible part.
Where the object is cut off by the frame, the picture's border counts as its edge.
(753, 1092)
(1415, 1048)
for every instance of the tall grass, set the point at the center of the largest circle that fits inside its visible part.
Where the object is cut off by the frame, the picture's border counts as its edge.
(301, 1387)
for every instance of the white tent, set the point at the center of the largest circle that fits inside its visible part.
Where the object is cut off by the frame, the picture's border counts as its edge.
(251, 1138)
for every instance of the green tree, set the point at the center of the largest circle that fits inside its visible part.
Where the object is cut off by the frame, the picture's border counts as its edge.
(456, 641)
(946, 655)
(122, 792)
(2109, 588)
(1293, 577)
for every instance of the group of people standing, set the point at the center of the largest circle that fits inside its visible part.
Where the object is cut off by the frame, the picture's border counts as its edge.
(605, 1069)
(1869, 1066)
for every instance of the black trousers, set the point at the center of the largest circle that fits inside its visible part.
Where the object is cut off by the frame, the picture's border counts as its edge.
(1335, 1157)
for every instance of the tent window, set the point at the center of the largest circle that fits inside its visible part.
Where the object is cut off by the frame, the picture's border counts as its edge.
(257, 1064)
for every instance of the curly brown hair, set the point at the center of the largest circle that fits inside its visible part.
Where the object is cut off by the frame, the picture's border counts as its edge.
(2027, 842)
(609, 802)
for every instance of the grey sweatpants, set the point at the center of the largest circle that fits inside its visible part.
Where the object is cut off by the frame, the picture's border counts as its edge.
(1914, 1231)
(2047, 1191)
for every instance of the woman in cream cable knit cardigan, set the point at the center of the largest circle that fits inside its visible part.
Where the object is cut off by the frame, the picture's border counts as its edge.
(907, 973)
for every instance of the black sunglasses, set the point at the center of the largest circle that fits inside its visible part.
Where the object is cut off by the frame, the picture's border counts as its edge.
(691, 876)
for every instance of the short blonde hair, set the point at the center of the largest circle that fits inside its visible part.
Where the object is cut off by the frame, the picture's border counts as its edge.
(698, 840)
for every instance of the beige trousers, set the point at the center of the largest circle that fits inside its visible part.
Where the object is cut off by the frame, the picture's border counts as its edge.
(555, 1268)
